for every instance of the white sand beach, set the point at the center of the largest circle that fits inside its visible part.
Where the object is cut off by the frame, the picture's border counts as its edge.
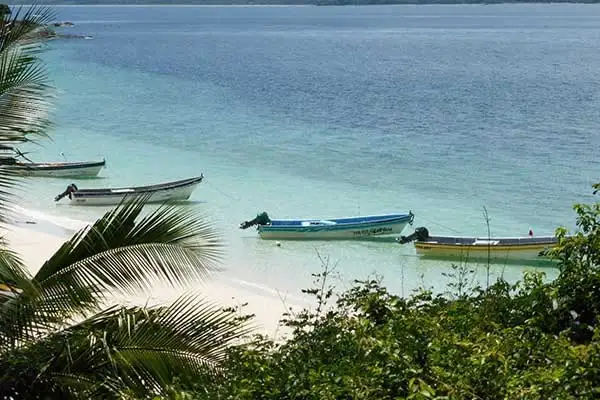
(36, 240)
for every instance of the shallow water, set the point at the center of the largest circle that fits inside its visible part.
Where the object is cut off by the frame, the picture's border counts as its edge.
(335, 111)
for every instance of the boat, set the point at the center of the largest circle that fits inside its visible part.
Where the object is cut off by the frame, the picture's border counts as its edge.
(83, 169)
(159, 193)
(10, 158)
(8, 291)
(481, 248)
(350, 228)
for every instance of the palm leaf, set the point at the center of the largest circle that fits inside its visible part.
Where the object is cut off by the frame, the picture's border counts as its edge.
(188, 338)
(117, 228)
(127, 270)
(12, 270)
(118, 254)
(114, 256)
(22, 24)
(9, 180)
(24, 87)
(141, 349)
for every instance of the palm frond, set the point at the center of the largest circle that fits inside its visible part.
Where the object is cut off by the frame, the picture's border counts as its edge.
(124, 270)
(22, 322)
(13, 272)
(187, 338)
(118, 228)
(114, 256)
(140, 349)
(22, 25)
(9, 180)
(25, 98)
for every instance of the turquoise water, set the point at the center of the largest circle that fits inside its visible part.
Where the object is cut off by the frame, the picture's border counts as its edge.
(335, 111)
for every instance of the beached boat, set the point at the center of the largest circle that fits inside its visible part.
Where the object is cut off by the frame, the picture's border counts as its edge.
(356, 228)
(84, 169)
(162, 192)
(480, 248)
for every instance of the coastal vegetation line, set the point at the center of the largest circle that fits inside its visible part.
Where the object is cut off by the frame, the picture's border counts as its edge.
(302, 2)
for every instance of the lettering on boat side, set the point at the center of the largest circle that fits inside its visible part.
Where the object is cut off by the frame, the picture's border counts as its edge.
(372, 231)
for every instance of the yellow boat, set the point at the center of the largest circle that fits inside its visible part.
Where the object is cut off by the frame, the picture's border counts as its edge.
(8, 291)
(480, 248)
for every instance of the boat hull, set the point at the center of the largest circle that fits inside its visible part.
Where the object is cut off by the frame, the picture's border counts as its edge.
(358, 231)
(175, 191)
(483, 252)
(58, 170)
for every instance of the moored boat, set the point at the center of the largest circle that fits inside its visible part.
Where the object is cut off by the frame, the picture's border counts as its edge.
(349, 228)
(83, 169)
(162, 192)
(497, 249)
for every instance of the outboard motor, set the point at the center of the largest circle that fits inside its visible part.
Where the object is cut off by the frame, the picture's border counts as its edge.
(70, 189)
(261, 219)
(421, 233)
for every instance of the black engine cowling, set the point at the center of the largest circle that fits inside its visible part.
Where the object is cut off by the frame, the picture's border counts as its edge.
(421, 233)
(261, 219)
(70, 189)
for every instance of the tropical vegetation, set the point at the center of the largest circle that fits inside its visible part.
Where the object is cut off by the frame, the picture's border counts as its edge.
(301, 2)
(64, 333)
(530, 339)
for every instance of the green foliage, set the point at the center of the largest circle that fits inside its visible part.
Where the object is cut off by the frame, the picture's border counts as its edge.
(5, 10)
(527, 340)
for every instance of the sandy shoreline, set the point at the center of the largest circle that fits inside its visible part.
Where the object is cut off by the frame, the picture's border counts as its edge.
(36, 240)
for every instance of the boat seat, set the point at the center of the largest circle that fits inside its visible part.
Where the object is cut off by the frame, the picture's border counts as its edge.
(321, 222)
(486, 242)
(122, 190)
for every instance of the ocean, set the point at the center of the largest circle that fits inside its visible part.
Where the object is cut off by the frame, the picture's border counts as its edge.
(334, 111)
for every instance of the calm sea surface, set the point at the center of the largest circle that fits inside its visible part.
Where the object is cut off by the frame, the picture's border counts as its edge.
(335, 111)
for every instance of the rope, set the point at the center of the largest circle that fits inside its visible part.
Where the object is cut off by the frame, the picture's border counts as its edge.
(232, 198)
(440, 225)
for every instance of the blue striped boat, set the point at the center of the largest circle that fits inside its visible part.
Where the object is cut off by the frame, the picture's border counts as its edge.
(351, 228)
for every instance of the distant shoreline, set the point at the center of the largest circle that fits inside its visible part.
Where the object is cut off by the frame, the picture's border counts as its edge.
(307, 3)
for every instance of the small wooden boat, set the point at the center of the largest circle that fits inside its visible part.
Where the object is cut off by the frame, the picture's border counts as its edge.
(83, 169)
(497, 249)
(162, 192)
(356, 228)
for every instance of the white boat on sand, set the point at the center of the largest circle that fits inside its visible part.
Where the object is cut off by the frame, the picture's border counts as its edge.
(159, 193)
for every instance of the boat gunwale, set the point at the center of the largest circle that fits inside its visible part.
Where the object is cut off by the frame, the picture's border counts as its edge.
(482, 247)
(337, 226)
(134, 190)
(395, 215)
(464, 241)
(55, 166)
